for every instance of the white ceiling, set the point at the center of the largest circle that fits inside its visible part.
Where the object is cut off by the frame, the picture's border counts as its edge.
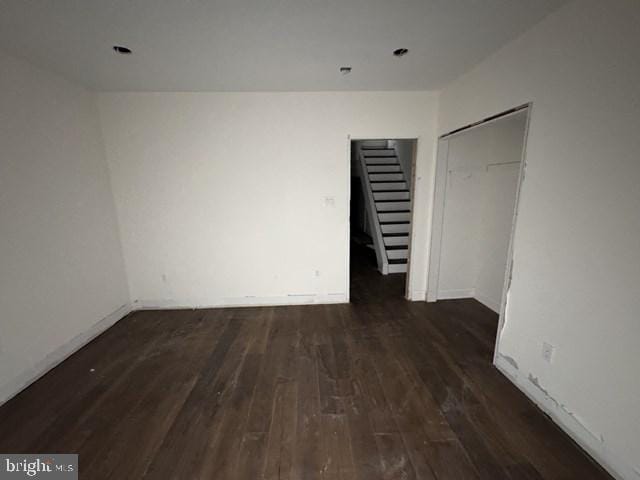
(262, 45)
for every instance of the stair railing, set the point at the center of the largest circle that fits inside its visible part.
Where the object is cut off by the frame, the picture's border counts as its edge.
(378, 240)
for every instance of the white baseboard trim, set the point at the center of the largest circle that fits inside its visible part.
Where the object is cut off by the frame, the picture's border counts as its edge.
(417, 295)
(455, 294)
(23, 380)
(487, 302)
(591, 442)
(26, 378)
(248, 301)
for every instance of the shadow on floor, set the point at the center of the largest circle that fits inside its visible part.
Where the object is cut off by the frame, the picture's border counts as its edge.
(367, 282)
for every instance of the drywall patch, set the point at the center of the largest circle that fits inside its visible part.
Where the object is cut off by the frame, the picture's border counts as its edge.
(509, 360)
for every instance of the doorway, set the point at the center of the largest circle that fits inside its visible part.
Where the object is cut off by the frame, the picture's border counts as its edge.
(381, 216)
(479, 171)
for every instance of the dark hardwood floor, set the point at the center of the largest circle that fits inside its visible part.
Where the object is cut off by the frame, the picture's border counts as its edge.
(378, 389)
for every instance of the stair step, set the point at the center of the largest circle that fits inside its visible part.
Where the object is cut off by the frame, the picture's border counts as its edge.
(394, 217)
(381, 160)
(368, 144)
(388, 186)
(397, 261)
(398, 268)
(380, 164)
(401, 234)
(395, 247)
(395, 167)
(392, 228)
(396, 240)
(394, 254)
(378, 196)
(386, 177)
(393, 206)
(382, 152)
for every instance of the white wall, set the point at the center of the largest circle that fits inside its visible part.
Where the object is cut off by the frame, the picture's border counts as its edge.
(459, 257)
(483, 170)
(405, 152)
(506, 144)
(62, 275)
(577, 248)
(221, 196)
(500, 188)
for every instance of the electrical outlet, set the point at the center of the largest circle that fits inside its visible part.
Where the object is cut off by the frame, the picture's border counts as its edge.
(547, 352)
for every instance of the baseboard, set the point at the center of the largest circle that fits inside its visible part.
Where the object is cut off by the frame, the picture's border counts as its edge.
(22, 381)
(454, 294)
(487, 302)
(469, 293)
(248, 301)
(591, 442)
(417, 295)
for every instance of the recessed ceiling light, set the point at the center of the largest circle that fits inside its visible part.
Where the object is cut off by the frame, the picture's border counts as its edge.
(122, 50)
(345, 70)
(400, 52)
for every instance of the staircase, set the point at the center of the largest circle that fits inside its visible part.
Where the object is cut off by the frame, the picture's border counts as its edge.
(388, 201)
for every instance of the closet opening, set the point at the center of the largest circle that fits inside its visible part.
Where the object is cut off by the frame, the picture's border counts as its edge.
(479, 171)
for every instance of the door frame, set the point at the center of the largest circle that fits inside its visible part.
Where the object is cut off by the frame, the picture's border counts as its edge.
(413, 182)
(439, 198)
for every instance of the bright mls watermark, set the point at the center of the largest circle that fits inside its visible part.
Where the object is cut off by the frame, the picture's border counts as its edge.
(52, 466)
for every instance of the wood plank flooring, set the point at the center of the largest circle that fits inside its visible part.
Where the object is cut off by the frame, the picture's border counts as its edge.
(377, 389)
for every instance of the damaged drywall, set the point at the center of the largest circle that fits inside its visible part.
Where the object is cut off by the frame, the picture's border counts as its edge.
(510, 360)
(530, 384)
(536, 383)
(534, 380)
(505, 310)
